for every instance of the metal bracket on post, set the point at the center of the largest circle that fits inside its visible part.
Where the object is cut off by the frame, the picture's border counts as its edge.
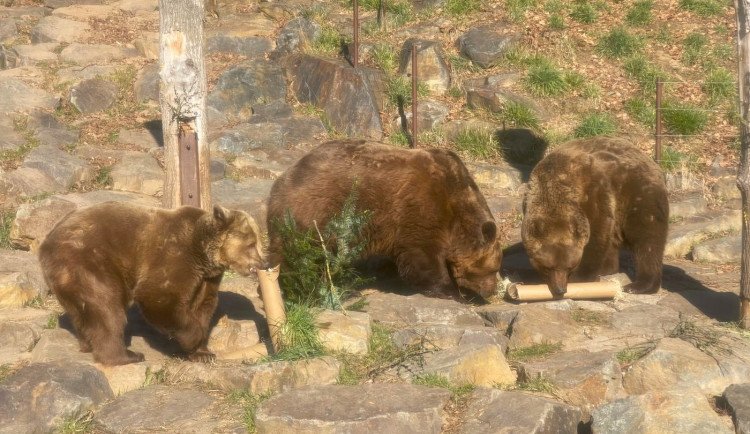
(190, 189)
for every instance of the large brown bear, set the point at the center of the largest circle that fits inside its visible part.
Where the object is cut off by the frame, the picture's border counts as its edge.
(586, 199)
(428, 215)
(100, 259)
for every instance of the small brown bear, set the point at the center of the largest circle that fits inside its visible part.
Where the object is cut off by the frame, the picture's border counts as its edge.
(428, 214)
(586, 199)
(100, 259)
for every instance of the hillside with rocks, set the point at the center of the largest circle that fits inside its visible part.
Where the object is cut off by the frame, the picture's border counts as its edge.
(500, 82)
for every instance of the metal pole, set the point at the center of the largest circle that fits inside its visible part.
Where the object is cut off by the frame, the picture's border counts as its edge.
(657, 147)
(414, 95)
(355, 55)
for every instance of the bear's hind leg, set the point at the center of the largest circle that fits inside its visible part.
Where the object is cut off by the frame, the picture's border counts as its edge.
(105, 327)
(646, 238)
(74, 309)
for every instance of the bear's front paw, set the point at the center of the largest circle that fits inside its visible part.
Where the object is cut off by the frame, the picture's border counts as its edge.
(632, 288)
(202, 356)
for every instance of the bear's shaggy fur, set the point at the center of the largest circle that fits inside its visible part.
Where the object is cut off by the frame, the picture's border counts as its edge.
(100, 259)
(428, 215)
(585, 200)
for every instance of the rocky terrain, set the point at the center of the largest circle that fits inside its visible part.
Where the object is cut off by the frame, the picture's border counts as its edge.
(80, 125)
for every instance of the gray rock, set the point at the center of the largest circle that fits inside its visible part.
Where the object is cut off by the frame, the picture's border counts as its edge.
(391, 408)
(432, 69)
(90, 54)
(668, 411)
(64, 168)
(15, 290)
(687, 203)
(249, 46)
(726, 188)
(492, 411)
(144, 139)
(445, 336)
(264, 163)
(492, 95)
(478, 364)
(79, 73)
(56, 29)
(719, 250)
(699, 305)
(146, 85)
(535, 324)
(350, 98)
(8, 29)
(738, 399)
(501, 316)
(430, 116)
(33, 54)
(645, 320)
(297, 34)
(49, 131)
(138, 173)
(348, 333)
(247, 137)
(58, 345)
(17, 261)
(16, 96)
(583, 379)
(271, 112)
(21, 11)
(9, 58)
(245, 85)
(93, 95)
(164, 408)
(500, 177)
(249, 195)
(39, 397)
(24, 183)
(675, 363)
(10, 139)
(684, 235)
(418, 309)
(487, 44)
(16, 339)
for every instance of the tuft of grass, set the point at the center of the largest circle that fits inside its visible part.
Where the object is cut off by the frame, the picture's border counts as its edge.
(545, 80)
(455, 93)
(521, 56)
(36, 302)
(385, 57)
(591, 91)
(630, 355)
(461, 64)
(77, 424)
(477, 143)
(520, 115)
(556, 22)
(398, 90)
(702, 337)
(671, 158)
(458, 8)
(584, 13)
(249, 402)
(595, 124)
(640, 13)
(618, 43)
(644, 73)
(517, 9)
(693, 48)
(6, 223)
(160, 376)
(359, 305)
(536, 351)
(704, 8)
(587, 317)
(51, 322)
(298, 335)
(329, 43)
(641, 111)
(683, 118)
(5, 371)
(539, 384)
(720, 85)
(400, 138)
(459, 393)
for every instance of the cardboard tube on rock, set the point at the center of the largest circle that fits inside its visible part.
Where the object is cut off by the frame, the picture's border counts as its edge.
(272, 302)
(584, 290)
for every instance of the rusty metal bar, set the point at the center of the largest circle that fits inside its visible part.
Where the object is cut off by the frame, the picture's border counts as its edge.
(657, 136)
(381, 15)
(414, 95)
(355, 55)
(190, 191)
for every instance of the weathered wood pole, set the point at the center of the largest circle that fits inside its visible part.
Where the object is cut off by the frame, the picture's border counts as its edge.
(657, 137)
(743, 172)
(355, 55)
(182, 96)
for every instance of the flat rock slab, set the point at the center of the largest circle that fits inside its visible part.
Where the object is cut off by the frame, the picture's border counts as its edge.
(93, 95)
(138, 173)
(682, 237)
(39, 397)
(448, 336)
(248, 195)
(16, 96)
(670, 411)
(493, 411)
(719, 251)
(166, 409)
(57, 29)
(64, 168)
(483, 365)
(486, 44)
(418, 309)
(536, 324)
(738, 399)
(371, 408)
(645, 320)
(245, 85)
(17, 261)
(701, 305)
(348, 333)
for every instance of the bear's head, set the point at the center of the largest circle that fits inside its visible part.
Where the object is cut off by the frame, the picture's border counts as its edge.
(241, 247)
(555, 245)
(477, 269)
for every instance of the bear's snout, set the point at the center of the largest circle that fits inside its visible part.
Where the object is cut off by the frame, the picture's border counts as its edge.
(557, 281)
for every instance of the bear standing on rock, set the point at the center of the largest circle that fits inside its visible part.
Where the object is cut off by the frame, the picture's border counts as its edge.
(100, 259)
(428, 215)
(586, 199)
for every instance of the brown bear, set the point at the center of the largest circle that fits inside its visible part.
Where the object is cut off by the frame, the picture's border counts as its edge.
(585, 200)
(427, 214)
(100, 259)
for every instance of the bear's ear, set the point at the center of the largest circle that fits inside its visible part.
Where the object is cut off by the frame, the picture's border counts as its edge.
(221, 215)
(489, 231)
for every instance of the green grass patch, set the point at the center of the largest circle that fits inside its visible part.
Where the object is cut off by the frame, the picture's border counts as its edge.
(584, 13)
(455, 93)
(35, 302)
(630, 355)
(160, 376)
(643, 72)
(319, 262)
(6, 223)
(556, 22)
(683, 118)
(51, 322)
(703, 337)
(536, 351)
(596, 124)
(672, 159)
(459, 8)
(476, 143)
(619, 43)
(249, 402)
(517, 9)
(545, 80)
(459, 393)
(554, 6)
(398, 90)
(519, 115)
(704, 8)
(386, 58)
(539, 384)
(720, 85)
(641, 111)
(693, 48)
(77, 424)
(461, 64)
(640, 13)
(587, 317)
(591, 91)
(329, 43)
(5, 371)
(298, 335)
(400, 138)
(521, 56)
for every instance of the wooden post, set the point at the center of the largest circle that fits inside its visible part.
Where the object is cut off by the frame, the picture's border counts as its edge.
(742, 9)
(355, 55)
(414, 95)
(657, 137)
(182, 97)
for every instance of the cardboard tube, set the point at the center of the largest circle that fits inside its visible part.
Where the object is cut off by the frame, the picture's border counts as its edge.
(585, 290)
(273, 304)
